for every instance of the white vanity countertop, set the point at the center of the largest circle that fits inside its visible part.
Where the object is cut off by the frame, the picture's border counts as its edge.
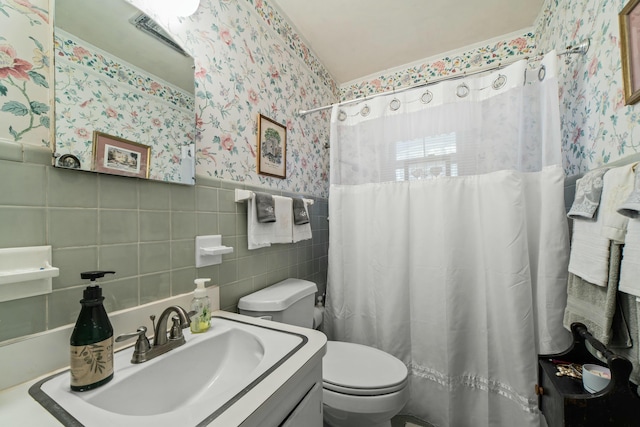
(18, 408)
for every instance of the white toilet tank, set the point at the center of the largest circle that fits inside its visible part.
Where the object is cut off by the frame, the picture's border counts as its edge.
(290, 301)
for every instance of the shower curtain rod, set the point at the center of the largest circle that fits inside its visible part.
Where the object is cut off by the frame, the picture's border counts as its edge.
(580, 48)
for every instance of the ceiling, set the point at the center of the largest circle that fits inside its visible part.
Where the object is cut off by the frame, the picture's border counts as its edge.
(357, 38)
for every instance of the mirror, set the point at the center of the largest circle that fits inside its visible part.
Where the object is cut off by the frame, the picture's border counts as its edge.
(124, 96)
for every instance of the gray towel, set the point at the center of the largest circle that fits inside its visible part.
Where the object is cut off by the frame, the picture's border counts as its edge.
(300, 215)
(593, 305)
(265, 208)
(588, 192)
(629, 311)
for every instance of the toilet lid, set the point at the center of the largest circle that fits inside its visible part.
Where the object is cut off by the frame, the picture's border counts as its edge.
(361, 370)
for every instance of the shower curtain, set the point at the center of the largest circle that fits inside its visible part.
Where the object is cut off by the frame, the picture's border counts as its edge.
(448, 239)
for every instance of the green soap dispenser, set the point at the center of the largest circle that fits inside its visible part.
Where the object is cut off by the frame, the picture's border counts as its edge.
(201, 320)
(92, 339)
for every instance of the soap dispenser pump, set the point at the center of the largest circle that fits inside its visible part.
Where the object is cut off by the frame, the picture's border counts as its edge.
(92, 339)
(200, 321)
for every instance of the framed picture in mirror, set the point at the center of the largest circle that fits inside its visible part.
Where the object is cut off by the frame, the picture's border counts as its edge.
(117, 156)
(272, 148)
(629, 18)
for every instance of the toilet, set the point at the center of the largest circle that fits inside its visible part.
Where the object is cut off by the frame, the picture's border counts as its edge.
(362, 386)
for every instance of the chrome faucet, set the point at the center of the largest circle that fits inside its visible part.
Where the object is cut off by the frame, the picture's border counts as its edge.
(143, 351)
(179, 323)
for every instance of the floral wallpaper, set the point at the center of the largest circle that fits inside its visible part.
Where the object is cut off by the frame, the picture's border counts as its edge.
(597, 128)
(97, 92)
(293, 41)
(249, 62)
(491, 54)
(25, 73)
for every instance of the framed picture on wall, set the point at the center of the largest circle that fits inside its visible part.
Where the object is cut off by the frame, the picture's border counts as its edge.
(629, 19)
(272, 148)
(118, 156)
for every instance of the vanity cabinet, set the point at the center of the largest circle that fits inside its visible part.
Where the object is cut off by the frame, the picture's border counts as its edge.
(308, 412)
(289, 394)
(298, 403)
(565, 403)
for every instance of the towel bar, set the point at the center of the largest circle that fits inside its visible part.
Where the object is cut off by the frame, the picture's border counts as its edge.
(242, 195)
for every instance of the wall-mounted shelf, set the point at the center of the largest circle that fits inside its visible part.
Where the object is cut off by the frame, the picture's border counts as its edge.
(16, 276)
(216, 250)
(26, 272)
(209, 250)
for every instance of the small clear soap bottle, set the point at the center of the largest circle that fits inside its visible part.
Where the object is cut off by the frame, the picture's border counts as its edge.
(200, 321)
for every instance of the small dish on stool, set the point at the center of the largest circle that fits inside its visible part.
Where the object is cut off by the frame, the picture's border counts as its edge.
(595, 377)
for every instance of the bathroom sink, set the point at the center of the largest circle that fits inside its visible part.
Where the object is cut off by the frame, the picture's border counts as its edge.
(188, 386)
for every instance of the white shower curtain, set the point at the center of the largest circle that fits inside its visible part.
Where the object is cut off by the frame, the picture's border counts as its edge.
(448, 240)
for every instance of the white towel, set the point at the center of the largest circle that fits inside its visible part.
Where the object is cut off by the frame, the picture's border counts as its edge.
(262, 235)
(631, 207)
(302, 231)
(259, 235)
(630, 268)
(282, 228)
(618, 185)
(589, 257)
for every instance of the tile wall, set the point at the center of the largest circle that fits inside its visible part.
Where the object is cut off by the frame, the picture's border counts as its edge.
(143, 230)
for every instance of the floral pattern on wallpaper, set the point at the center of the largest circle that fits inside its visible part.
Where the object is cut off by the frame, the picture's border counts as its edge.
(488, 55)
(244, 68)
(96, 92)
(25, 71)
(272, 18)
(597, 128)
(83, 54)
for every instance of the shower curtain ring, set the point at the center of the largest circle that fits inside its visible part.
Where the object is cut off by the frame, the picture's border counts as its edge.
(462, 90)
(542, 72)
(499, 82)
(426, 97)
(394, 104)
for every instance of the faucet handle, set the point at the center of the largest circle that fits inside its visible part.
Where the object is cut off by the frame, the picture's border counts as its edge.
(142, 330)
(176, 329)
(142, 344)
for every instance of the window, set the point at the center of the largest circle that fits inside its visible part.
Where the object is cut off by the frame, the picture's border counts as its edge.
(426, 158)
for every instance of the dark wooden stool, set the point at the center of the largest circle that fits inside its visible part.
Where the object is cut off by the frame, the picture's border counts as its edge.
(564, 402)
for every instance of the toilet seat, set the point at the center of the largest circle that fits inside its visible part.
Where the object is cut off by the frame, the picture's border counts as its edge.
(359, 370)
